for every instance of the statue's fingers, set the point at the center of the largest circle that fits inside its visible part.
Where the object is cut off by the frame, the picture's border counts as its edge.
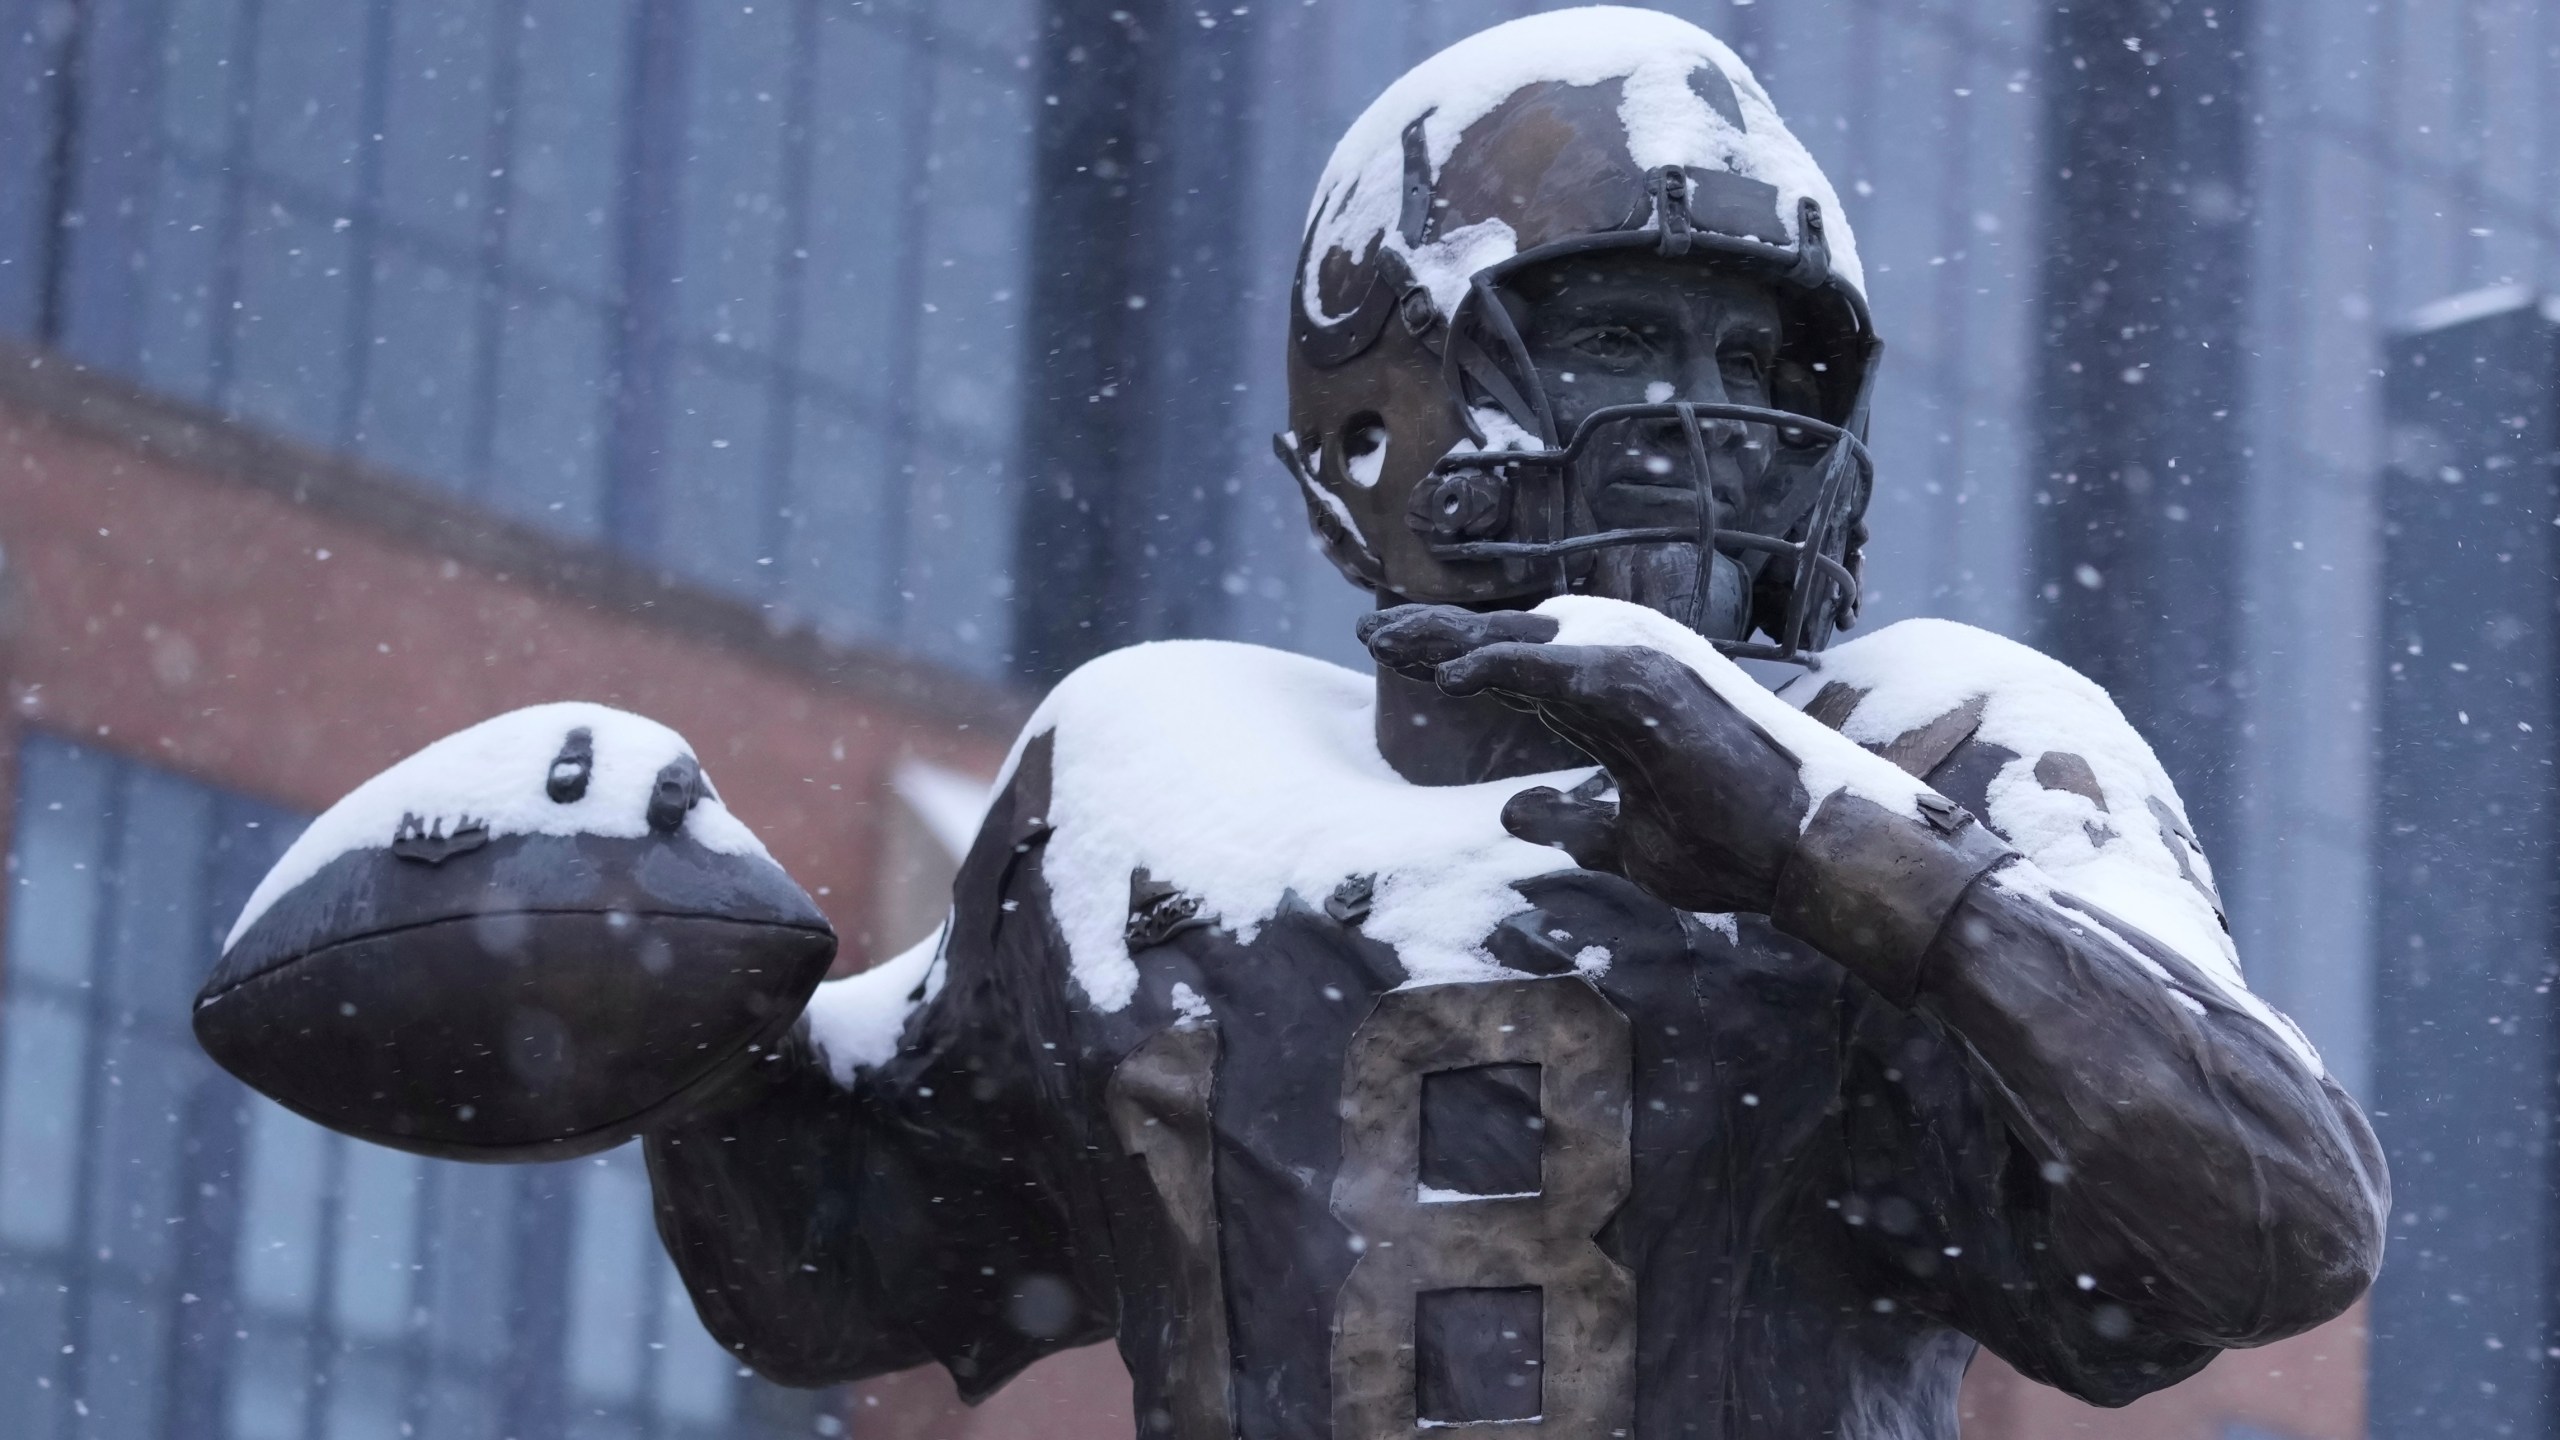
(1582, 827)
(1617, 703)
(1544, 673)
(1414, 637)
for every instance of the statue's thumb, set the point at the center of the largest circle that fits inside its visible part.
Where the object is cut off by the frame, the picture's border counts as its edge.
(1585, 828)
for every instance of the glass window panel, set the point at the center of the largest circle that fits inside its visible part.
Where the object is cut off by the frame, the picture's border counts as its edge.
(287, 1156)
(597, 1425)
(178, 321)
(124, 1361)
(377, 1241)
(365, 1401)
(196, 74)
(553, 396)
(460, 1408)
(715, 512)
(27, 51)
(157, 947)
(292, 350)
(307, 116)
(959, 560)
(437, 116)
(468, 1266)
(568, 140)
(113, 174)
(730, 243)
(270, 1377)
(859, 208)
(974, 226)
(695, 1377)
(999, 28)
(609, 1282)
(839, 562)
(420, 380)
(33, 1327)
(44, 1054)
(59, 848)
(135, 1147)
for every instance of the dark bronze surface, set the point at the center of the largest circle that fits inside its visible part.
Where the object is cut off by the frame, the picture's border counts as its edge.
(1159, 1101)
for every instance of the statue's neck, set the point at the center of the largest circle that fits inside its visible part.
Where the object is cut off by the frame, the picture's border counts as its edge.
(1436, 739)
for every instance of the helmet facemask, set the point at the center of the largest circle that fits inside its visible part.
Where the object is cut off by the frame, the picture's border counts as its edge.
(1723, 499)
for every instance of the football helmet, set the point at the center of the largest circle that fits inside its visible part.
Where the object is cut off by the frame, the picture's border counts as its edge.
(1422, 432)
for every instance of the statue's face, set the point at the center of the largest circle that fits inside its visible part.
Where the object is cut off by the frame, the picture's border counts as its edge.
(1631, 329)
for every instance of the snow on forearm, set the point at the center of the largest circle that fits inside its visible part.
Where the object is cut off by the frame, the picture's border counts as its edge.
(2125, 850)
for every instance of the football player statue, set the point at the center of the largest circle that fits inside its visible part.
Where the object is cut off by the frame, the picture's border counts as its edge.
(1558, 1029)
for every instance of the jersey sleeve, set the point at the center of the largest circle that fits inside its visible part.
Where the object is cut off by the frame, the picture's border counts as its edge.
(906, 1182)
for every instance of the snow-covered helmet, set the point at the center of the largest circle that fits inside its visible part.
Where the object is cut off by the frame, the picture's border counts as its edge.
(1421, 432)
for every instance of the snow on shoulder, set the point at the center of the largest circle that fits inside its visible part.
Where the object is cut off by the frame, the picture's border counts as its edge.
(1359, 201)
(498, 775)
(2128, 849)
(855, 1022)
(1244, 775)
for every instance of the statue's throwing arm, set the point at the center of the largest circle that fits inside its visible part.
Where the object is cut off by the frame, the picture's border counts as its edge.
(2147, 1164)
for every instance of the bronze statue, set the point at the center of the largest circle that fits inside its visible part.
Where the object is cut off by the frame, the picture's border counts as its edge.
(1560, 1030)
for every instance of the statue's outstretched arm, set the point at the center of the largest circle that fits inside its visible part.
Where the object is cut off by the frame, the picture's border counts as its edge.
(772, 1202)
(905, 1179)
(546, 935)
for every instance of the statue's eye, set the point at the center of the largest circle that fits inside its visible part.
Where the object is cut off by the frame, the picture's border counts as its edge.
(1609, 345)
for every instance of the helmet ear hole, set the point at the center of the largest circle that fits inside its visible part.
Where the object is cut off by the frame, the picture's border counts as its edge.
(1364, 448)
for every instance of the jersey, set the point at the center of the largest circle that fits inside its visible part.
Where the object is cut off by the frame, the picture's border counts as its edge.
(1345, 1135)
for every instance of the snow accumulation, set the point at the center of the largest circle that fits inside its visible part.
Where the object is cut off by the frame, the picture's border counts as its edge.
(1317, 494)
(1501, 432)
(2119, 857)
(496, 774)
(1242, 775)
(1245, 775)
(1360, 198)
(856, 1021)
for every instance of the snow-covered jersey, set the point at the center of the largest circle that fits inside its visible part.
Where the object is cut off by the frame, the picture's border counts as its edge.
(1346, 1113)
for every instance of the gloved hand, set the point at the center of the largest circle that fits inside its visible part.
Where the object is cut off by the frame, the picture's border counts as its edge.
(1700, 806)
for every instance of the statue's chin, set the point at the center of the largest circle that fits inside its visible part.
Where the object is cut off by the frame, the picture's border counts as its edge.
(1664, 578)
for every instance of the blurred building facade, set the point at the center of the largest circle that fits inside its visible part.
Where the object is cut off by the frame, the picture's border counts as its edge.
(206, 634)
(2466, 1314)
(914, 349)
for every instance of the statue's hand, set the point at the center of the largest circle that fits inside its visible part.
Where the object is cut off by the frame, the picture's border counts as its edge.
(1706, 806)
